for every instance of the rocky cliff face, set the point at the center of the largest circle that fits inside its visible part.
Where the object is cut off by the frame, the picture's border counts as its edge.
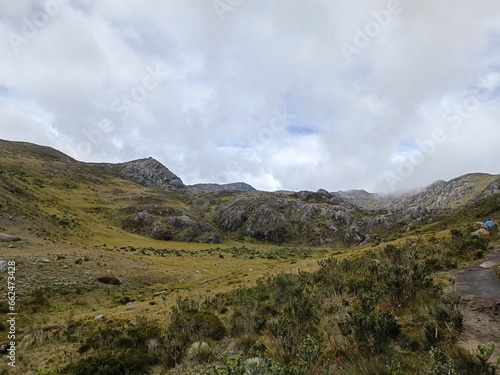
(304, 217)
(168, 223)
(150, 173)
(442, 196)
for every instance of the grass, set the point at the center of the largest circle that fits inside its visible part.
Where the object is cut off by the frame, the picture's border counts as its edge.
(73, 218)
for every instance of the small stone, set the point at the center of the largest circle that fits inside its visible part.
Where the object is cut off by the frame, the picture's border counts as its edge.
(131, 307)
(100, 317)
(488, 264)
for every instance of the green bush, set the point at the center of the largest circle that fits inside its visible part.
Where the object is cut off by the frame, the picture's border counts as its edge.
(99, 364)
(199, 352)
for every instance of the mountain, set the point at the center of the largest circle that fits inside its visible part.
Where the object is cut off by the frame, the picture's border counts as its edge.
(147, 172)
(361, 199)
(50, 195)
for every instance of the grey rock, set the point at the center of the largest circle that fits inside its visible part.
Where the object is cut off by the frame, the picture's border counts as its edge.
(169, 223)
(150, 173)
(4, 237)
(479, 232)
(489, 264)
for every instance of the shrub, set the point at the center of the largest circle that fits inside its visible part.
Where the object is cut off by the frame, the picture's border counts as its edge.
(189, 324)
(255, 366)
(99, 364)
(199, 352)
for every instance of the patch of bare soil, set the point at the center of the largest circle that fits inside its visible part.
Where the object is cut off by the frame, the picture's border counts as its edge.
(479, 287)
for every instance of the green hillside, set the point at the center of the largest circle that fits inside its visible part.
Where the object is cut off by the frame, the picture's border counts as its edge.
(113, 277)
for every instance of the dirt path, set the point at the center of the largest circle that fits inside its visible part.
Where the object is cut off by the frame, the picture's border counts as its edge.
(479, 287)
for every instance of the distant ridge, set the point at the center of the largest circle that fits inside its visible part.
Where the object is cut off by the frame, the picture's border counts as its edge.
(235, 186)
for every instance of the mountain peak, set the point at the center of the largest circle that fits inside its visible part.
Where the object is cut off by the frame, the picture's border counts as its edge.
(150, 173)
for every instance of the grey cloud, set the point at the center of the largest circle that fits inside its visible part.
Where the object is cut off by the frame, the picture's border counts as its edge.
(225, 78)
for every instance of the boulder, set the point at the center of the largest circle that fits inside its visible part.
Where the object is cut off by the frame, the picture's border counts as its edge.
(109, 280)
(488, 264)
(4, 237)
(479, 232)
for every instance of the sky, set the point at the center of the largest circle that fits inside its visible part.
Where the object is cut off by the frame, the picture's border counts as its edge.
(281, 94)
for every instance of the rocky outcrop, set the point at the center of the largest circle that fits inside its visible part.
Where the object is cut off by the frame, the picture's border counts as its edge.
(169, 224)
(184, 228)
(148, 172)
(378, 221)
(305, 217)
(492, 189)
(362, 199)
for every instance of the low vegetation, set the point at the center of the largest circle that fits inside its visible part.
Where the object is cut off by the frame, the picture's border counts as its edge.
(379, 313)
(283, 283)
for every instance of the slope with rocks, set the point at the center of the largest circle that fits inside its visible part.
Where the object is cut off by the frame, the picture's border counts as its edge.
(234, 186)
(315, 219)
(439, 199)
(55, 196)
(51, 196)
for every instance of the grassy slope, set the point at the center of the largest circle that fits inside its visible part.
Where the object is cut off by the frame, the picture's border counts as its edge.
(69, 213)
(74, 212)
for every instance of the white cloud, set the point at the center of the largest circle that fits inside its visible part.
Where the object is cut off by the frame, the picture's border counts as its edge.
(211, 117)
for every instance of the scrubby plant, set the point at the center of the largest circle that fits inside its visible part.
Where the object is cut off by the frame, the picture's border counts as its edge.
(253, 366)
(199, 352)
(377, 313)
(484, 353)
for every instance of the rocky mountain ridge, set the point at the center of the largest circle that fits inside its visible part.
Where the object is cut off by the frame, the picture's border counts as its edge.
(159, 205)
(211, 187)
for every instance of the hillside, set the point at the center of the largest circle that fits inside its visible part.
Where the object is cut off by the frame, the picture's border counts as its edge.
(56, 197)
(122, 268)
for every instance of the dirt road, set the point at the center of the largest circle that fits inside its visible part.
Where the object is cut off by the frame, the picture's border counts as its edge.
(479, 287)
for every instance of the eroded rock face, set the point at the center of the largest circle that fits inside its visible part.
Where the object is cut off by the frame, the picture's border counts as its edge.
(377, 221)
(492, 189)
(303, 217)
(184, 228)
(169, 224)
(150, 173)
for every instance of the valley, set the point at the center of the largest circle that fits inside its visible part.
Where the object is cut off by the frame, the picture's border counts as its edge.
(233, 267)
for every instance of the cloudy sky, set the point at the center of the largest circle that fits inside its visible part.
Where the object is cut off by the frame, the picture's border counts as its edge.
(282, 94)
